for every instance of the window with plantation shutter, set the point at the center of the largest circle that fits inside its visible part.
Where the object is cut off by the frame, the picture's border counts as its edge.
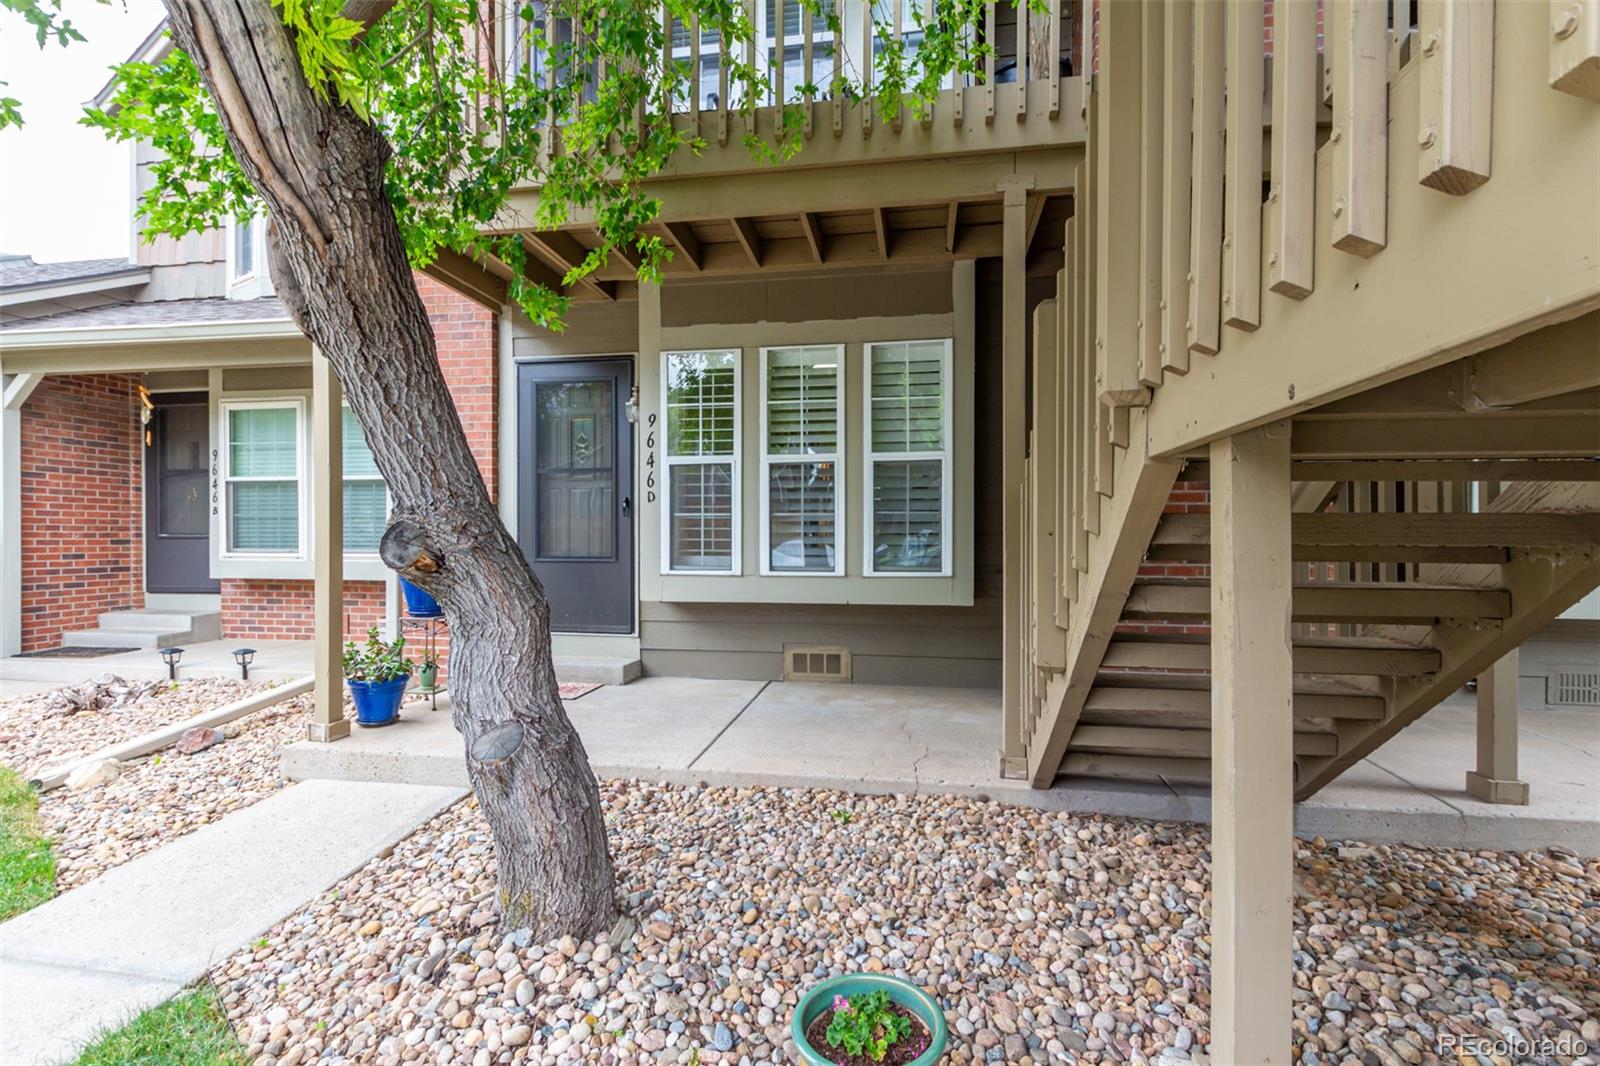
(263, 462)
(802, 433)
(366, 497)
(700, 395)
(908, 428)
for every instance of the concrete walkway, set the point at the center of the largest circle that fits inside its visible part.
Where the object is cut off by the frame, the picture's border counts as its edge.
(870, 738)
(136, 935)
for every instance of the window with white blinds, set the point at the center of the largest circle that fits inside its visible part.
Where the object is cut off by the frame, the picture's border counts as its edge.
(908, 458)
(700, 395)
(802, 433)
(366, 497)
(263, 461)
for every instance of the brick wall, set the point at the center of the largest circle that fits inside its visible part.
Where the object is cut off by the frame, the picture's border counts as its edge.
(467, 341)
(1188, 497)
(82, 527)
(282, 610)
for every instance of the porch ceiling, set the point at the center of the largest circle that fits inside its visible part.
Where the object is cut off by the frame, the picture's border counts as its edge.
(775, 242)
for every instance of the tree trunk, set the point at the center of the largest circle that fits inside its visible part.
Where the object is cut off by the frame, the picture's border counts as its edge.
(339, 265)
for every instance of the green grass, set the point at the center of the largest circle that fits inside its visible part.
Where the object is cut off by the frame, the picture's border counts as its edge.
(188, 1030)
(27, 864)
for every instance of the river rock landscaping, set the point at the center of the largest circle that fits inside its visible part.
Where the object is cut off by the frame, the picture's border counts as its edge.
(1047, 937)
(144, 802)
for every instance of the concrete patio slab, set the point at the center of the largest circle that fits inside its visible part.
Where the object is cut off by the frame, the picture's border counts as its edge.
(860, 736)
(881, 739)
(655, 726)
(130, 938)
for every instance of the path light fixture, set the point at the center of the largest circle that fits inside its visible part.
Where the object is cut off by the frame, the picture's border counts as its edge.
(170, 656)
(244, 656)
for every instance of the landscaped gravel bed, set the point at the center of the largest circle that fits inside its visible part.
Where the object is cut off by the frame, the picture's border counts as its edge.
(155, 798)
(160, 797)
(36, 731)
(1047, 937)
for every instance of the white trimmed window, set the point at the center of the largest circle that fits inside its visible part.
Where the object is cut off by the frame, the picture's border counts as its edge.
(263, 457)
(908, 458)
(802, 482)
(366, 497)
(244, 248)
(700, 522)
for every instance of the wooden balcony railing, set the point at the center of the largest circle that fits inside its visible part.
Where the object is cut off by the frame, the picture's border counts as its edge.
(1025, 60)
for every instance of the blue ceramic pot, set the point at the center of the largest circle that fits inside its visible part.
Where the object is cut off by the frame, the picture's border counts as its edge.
(378, 702)
(419, 604)
(908, 995)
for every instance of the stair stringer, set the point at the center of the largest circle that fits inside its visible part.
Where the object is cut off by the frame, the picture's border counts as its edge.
(1541, 586)
(1128, 520)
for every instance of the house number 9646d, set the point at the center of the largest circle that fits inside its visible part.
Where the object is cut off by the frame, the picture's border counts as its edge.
(650, 459)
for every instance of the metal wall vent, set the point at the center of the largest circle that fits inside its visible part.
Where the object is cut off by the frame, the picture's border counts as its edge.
(816, 662)
(1579, 688)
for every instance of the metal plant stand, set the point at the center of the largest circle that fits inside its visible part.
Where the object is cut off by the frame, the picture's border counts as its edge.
(430, 629)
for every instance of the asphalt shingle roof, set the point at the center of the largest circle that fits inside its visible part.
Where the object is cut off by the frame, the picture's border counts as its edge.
(21, 272)
(157, 313)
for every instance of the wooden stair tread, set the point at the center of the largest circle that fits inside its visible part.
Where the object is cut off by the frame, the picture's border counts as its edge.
(1370, 656)
(1111, 700)
(1408, 603)
(1176, 741)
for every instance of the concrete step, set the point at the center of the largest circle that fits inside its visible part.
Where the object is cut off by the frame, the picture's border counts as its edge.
(169, 621)
(597, 669)
(147, 629)
(123, 638)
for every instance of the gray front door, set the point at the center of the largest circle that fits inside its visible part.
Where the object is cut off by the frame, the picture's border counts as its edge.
(177, 491)
(575, 489)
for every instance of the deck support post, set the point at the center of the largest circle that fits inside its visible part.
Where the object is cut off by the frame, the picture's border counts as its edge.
(1495, 780)
(1252, 758)
(1013, 418)
(327, 546)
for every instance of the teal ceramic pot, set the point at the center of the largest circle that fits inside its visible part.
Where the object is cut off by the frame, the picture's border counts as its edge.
(908, 995)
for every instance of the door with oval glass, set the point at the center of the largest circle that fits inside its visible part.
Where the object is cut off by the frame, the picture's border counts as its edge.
(575, 489)
(177, 494)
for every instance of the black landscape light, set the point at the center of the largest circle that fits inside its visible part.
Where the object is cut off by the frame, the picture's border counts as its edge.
(243, 657)
(170, 656)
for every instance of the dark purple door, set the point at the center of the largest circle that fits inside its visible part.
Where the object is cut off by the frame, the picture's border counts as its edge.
(177, 495)
(575, 489)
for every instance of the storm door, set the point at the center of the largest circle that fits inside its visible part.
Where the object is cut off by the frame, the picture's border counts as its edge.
(575, 490)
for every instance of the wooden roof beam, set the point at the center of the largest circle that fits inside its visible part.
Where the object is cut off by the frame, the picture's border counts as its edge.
(563, 248)
(680, 235)
(812, 228)
(744, 231)
(478, 282)
(880, 228)
(1498, 436)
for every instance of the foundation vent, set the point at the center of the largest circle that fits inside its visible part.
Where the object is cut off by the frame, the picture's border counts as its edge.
(816, 662)
(1576, 688)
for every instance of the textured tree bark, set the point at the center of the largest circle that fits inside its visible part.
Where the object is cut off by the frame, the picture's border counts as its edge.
(339, 265)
